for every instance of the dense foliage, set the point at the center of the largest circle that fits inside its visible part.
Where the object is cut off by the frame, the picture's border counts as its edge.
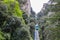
(16, 25)
(50, 21)
(13, 21)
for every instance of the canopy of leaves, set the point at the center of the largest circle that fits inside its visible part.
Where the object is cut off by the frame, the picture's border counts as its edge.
(12, 21)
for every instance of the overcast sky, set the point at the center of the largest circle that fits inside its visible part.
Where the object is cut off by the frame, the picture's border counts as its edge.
(37, 4)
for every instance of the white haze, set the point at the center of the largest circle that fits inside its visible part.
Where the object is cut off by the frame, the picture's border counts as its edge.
(37, 4)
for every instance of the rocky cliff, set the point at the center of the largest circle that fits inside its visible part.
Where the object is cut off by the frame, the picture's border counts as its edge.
(49, 17)
(25, 6)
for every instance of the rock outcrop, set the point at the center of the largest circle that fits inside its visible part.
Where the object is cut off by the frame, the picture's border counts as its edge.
(25, 6)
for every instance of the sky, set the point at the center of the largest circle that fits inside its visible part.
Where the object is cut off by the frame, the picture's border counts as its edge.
(37, 4)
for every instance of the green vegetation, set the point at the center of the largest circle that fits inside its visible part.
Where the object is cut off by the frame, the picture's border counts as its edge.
(16, 25)
(51, 21)
(12, 21)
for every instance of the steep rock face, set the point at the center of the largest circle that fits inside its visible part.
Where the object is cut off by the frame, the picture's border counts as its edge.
(25, 6)
(51, 13)
(47, 8)
(32, 13)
